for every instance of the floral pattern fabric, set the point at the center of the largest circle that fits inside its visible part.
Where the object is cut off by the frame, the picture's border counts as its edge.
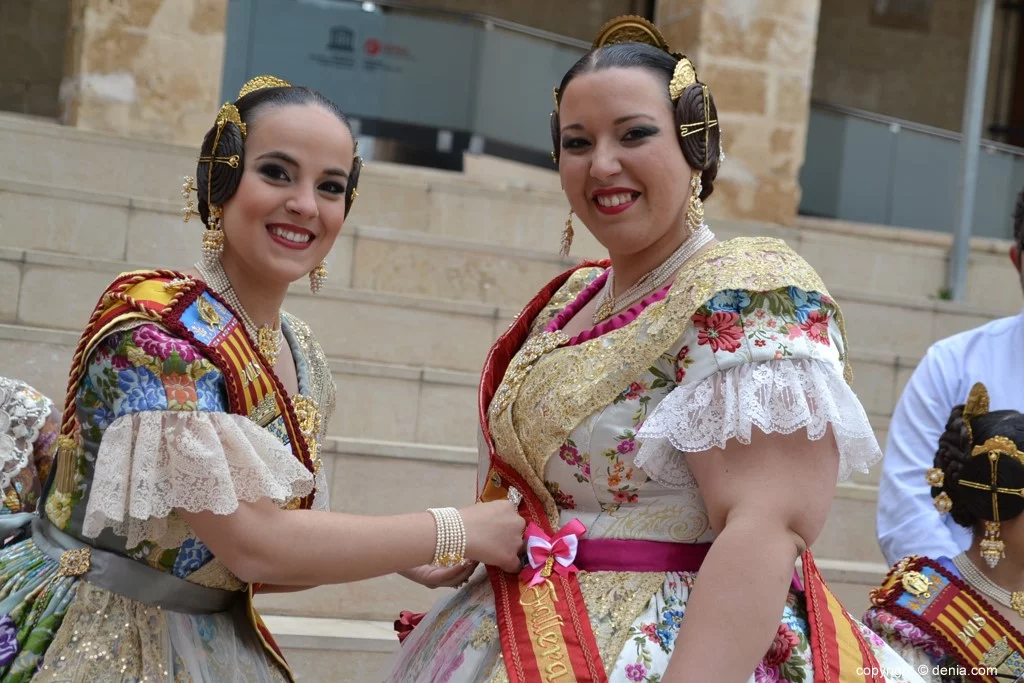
(28, 437)
(137, 370)
(594, 477)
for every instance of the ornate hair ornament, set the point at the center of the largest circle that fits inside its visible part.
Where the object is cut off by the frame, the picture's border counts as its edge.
(227, 114)
(630, 28)
(682, 78)
(261, 83)
(634, 29)
(986, 477)
(976, 405)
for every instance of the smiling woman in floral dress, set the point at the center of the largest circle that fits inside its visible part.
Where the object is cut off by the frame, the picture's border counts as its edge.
(187, 472)
(682, 407)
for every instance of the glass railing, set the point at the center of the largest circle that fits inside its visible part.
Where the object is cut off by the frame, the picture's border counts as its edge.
(870, 168)
(443, 80)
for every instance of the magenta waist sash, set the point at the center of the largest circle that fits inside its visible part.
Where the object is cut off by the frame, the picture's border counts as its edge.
(619, 555)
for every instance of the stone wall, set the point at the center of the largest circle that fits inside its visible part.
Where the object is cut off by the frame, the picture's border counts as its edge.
(33, 33)
(918, 74)
(147, 69)
(757, 57)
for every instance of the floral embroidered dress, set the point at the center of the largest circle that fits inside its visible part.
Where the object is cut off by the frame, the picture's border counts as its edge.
(28, 435)
(155, 436)
(749, 358)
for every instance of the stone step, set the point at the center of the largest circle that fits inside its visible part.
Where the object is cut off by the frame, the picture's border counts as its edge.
(849, 533)
(373, 325)
(354, 324)
(464, 261)
(381, 478)
(68, 179)
(410, 478)
(334, 650)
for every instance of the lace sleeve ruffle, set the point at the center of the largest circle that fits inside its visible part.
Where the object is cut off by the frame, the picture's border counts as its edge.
(152, 462)
(775, 396)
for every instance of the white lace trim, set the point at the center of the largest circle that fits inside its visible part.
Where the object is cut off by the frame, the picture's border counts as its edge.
(152, 462)
(23, 414)
(775, 396)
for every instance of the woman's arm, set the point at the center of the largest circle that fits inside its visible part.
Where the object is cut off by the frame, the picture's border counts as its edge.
(767, 503)
(260, 543)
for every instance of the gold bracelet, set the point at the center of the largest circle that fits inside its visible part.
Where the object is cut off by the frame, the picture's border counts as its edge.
(450, 546)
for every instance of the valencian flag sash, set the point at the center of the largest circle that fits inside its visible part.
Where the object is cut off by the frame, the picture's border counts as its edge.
(943, 605)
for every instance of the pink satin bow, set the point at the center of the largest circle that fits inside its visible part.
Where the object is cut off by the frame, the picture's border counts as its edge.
(551, 553)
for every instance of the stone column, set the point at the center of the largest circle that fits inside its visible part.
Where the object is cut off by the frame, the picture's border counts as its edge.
(147, 69)
(757, 56)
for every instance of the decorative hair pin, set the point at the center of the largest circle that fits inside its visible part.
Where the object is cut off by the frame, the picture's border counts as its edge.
(261, 83)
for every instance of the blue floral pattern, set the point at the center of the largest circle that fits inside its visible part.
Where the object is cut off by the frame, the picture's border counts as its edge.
(805, 302)
(192, 555)
(213, 394)
(732, 300)
(141, 390)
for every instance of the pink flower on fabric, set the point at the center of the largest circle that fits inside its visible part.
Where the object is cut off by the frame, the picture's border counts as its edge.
(635, 390)
(719, 331)
(626, 497)
(569, 454)
(759, 342)
(782, 646)
(626, 446)
(765, 673)
(157, 343)
(636, 672)
(816, 327)
(651, 631)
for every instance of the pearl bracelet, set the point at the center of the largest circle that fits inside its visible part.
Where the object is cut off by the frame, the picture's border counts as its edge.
(450, 547)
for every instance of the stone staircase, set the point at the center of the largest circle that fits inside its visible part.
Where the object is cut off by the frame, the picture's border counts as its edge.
(432, 267)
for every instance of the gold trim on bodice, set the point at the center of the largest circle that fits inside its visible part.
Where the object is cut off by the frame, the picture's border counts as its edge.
(549, 396)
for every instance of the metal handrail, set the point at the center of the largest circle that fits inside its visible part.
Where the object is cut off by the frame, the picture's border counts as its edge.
(912, 126)
(482, 19)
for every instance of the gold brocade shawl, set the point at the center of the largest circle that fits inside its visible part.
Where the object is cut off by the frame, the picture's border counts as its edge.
(321, 385)
(563, 387)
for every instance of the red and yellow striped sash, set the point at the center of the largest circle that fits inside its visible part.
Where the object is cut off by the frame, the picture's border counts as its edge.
(928, 595)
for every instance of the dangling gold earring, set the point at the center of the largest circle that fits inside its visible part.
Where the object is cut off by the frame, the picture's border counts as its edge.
(213, 237)
(992, 547)
(317, 277)
(567, 234)
(695, 211)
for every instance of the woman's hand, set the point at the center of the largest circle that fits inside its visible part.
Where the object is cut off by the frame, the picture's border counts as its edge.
(437, 577)
(494, 534)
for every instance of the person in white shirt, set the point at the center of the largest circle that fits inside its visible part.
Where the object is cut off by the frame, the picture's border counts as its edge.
(907, 521)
